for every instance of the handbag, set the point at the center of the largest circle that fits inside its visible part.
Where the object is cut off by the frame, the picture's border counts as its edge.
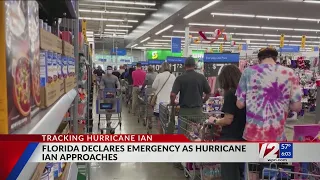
(153, 100)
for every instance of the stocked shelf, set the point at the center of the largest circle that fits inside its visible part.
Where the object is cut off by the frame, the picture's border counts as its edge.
(48, 120)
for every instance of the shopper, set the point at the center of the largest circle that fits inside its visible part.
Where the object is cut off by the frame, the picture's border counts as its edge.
(116, 72)
(150, 77)
(191, 86)
(162, 86)
(109, 82)
(138, 77)
(233, 121)
(268, 91)
(98, 72)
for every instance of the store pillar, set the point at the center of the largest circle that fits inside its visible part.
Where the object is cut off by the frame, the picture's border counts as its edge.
(186, 43)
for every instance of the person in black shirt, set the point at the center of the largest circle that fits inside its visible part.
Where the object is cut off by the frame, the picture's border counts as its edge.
(116, 72)
(98, 72)
(233, 121)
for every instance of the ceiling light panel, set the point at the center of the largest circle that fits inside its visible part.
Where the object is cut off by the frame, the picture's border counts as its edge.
(201, 24)
(173, 36)
(111, 20)
(276, 17)
(239, 26)
(146, 39)
(312, 1)
(164, 29)
(119, 30)
(233, 14)
(134, 45)
(112, 12)
(121, 26)
(310, 30)
(277, 28)
(157, 43)
(128, 2)
(201, 9)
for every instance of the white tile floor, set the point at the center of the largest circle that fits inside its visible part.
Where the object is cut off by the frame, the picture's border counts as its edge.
(132, 171)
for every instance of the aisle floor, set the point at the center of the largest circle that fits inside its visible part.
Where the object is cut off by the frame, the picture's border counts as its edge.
(132, 171)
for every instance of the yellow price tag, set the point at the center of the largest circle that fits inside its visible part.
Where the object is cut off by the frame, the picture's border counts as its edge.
(303, 41)
(221, 48)
(281, 40)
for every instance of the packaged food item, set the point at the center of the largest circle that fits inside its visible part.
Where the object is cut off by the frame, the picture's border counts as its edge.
(15, 67)
(59, 66)
(214, 104)
(33, 29)
(65, 66)
(54, 67)
(57, 170)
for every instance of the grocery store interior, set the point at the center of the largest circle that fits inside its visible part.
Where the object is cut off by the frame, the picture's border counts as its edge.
(59, 44)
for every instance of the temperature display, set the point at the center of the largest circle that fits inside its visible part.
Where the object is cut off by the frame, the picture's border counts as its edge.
(286, 150)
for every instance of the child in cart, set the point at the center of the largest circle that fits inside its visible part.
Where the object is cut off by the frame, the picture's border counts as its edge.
(233, 121)
(109, 81)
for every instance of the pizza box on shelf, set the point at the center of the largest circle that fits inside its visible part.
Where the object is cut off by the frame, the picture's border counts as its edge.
(15, 66)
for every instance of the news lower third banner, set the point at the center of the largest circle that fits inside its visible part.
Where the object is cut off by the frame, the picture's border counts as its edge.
(24, 149)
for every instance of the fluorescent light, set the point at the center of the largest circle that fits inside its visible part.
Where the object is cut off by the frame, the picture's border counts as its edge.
(104, 19)
(248, 34)
(172, 36)
(146, 39)
(311, 30)
(164, 29)
(153, 45)
(310, 1)
(157, 43)
(112, 12)
(89, 32)
(238, 26)
(308, 19)
(201, 9)
(200, 24)
(114, 33)
(134, 45)
(276, 17)
(253, 39)
(123, 30)
(121, 26)
(233, 14)
(271, 35)
(273, 40)
(277, 28)
(128, 2)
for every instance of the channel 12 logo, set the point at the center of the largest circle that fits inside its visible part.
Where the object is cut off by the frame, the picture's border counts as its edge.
(275, 152)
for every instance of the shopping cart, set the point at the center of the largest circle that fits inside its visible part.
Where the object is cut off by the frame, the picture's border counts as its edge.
(128, 95)
(145, 108)
(109, 103)
(197, 128)
(168, 116)
(276, 171)
(98, 80)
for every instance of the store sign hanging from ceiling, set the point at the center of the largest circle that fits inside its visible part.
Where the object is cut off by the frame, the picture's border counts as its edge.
(214, 62)
(289, 49)
(118, 52)
(175, 44)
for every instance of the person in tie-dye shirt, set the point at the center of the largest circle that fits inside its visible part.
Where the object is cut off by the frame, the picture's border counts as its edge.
(268, 91)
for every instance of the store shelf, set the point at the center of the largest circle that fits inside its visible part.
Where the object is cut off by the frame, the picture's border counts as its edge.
(48, 120)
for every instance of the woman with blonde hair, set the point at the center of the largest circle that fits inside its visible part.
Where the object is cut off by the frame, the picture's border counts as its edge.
(163, 86)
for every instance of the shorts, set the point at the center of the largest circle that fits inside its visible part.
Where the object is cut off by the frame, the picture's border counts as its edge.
(156, 114)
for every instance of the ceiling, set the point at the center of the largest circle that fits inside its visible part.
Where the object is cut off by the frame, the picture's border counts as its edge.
(114, 19)
(258, 23)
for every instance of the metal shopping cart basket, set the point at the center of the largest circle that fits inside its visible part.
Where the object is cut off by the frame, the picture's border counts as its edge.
(168, 116)
(145, 109)
(277, 171)
(109, 103)
(197, 128)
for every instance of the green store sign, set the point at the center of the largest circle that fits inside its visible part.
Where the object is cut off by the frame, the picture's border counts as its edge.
(163, 54)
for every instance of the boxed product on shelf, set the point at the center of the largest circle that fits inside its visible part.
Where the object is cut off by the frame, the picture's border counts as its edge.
(50, 45)
(60, 80)
(33, 21)
(69, 61)
(15, 67)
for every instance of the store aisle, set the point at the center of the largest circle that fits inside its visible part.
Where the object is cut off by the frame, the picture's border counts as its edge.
(132, 171)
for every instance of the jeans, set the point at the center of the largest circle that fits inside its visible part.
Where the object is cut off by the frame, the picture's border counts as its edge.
(135, 91)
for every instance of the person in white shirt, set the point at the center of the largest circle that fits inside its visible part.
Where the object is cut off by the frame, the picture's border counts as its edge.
(163, 86)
